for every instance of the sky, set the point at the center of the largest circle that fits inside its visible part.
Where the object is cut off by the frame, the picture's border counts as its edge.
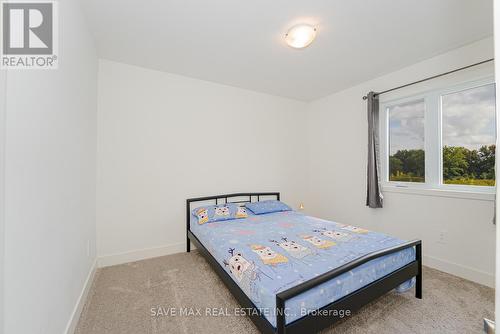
(468, 119)
(406, 126)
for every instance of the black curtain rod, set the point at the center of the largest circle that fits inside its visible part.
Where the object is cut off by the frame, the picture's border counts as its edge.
(433, 77)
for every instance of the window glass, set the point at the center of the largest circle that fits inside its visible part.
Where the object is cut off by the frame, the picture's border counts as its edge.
(468, 136)
(406, 142)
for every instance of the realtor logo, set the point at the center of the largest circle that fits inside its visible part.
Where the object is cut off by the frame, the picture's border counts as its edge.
(29, 34)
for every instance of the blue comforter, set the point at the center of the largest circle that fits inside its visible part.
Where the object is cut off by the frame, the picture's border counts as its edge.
(269, 253)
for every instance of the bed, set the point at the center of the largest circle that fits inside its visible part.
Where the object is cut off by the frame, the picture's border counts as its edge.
(300, 273)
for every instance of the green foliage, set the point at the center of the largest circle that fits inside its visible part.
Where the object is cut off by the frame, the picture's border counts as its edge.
(472, 182)
(455, 162)
(460, 163)
(460, 166)
(406, 178)
(407, 166)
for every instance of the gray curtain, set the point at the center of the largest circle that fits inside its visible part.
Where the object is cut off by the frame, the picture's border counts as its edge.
(374, 198)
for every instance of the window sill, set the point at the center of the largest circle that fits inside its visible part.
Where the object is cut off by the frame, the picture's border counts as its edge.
(450, 193)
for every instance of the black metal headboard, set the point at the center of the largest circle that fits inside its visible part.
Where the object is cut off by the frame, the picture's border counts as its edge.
(223, 199)
(227, 198)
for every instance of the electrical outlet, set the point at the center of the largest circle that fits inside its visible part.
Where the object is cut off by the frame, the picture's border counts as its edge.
(442, 237)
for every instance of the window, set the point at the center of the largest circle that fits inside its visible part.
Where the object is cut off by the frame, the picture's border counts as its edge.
(406, 142)
(442, 139)
(468, 122)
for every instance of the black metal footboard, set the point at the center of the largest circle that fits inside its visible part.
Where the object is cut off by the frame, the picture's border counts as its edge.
(331, 313)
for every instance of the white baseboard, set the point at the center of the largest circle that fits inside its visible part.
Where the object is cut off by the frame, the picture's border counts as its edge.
(77, 311)
(459, 270)
(141, 254)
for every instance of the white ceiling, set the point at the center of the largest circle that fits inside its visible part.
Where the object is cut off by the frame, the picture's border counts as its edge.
(240, 43)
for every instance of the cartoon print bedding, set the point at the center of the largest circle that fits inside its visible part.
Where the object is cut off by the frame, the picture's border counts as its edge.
(269, 253)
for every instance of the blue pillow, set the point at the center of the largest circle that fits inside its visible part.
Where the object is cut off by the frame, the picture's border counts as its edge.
(267, 207)
(213, 213)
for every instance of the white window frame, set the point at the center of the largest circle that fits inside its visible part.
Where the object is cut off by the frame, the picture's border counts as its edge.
(432, 144)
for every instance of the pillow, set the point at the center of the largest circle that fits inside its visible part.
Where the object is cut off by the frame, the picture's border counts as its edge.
(213, 213)
(267, 207)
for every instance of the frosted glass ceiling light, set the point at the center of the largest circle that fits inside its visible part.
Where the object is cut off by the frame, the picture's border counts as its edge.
(300, 36)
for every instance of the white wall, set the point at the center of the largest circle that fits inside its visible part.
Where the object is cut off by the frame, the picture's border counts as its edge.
(3, 78)
(497, 163)
(337, 168)
(50, 182)
(163, 138)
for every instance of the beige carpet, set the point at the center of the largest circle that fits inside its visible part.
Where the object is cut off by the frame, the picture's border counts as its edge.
(121, 299)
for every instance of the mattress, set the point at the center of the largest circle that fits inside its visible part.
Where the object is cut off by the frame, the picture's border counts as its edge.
(269, 253)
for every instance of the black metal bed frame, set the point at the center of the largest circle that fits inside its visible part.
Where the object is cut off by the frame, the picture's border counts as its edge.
(328, 314)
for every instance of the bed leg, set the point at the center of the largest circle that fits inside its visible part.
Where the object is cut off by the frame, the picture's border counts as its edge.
(418, 284)
(280, 315)
(188, 216)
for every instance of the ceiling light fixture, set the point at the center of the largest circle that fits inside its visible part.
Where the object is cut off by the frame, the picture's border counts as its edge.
(300, 36)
